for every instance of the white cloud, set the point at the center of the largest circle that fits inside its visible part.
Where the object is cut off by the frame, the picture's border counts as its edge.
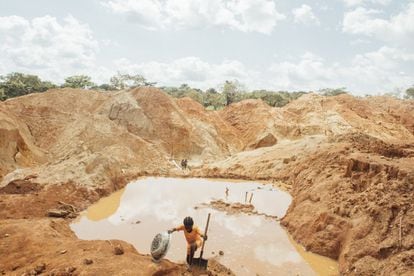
(310, 72)
(367, 73)
(398, 29)
(45, 46)
(380, 70)
(372, 72)
(242, 15)
(54, 49)
(385, 57)
(351, 3)
(383, 69)
(359, 41)
(305, 15)
(190, 70)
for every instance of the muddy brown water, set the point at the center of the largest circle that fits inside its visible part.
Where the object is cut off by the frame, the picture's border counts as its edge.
(252, 244)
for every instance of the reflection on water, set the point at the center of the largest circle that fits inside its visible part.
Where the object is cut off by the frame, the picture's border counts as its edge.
(251, 244)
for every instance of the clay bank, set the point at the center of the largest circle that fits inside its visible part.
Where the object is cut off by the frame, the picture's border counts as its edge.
(244, 233)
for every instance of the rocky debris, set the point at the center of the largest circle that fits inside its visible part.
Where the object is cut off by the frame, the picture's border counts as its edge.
(68, 271)
(221, 253)
(65, 211)
(87, 261)
(235, 208)
(214, 268)
(66, 206)
(71, 269)
(118, 250)
(266, 140)
(30, 176)
(56, 213)
(11, 205)
(39, 269)
(289, 159)
(231, 208)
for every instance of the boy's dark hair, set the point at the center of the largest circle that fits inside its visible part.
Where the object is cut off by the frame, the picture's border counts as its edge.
(188, 221)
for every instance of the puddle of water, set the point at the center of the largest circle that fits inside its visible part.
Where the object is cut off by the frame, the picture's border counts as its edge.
(321, 265)
(252, 244)
(106, 206)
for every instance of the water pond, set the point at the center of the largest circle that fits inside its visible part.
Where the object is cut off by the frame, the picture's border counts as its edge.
(253, 242)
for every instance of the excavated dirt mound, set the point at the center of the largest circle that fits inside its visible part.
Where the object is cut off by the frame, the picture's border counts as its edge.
(107, 135)
(17, 147)
(255, 122)
(355, 206)
(315, 114)
(51, 248)
(212, 125)
(352, 200)
(348, 163)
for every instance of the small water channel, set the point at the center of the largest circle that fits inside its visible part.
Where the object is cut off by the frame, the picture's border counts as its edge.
(252, 244)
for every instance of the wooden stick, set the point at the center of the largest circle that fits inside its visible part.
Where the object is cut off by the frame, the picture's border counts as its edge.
(400, 234)
(205, 234)
(251, 197)
(245, 197)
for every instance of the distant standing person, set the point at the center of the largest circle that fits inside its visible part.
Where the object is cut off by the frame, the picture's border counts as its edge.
(193, 236)
(184, 164)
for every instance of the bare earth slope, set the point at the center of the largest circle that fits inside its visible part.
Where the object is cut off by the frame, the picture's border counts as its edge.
(348, 163)
(17, 148)
(74, 146)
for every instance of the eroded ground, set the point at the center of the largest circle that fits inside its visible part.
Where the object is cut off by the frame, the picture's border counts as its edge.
(347, 162)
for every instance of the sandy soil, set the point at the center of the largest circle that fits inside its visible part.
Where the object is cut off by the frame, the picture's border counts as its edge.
(348, 163)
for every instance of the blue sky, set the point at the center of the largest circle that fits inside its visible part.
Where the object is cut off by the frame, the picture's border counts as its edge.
(363, 45)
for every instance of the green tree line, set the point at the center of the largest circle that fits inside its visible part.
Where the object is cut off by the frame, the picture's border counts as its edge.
(231, 92)
(19, 84)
